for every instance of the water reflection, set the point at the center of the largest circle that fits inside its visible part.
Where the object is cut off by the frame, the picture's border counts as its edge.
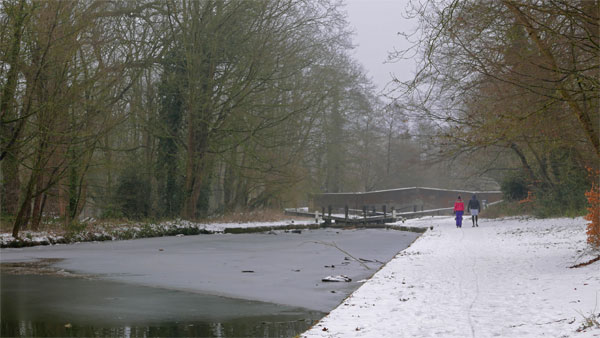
(249, 327)
(43, 306)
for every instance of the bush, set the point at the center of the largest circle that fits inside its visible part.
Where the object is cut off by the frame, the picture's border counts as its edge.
(566, 196)
(514, 187)
(132, 196)
(507, 209)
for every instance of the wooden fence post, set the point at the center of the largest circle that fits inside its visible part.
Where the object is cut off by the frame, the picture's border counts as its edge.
(346, 212)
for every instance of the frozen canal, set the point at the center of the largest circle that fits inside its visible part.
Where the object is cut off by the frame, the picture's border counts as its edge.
(204, 278)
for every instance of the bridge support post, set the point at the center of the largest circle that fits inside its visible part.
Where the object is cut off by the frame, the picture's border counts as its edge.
(346, 212)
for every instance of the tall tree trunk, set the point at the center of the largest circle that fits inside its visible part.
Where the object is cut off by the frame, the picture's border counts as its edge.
(199, 98)
(389, 149)
(197, 147)
(24, 209)
(36, 212)
(11, 183)
(8, 115)
(523, 160)
(582, 115)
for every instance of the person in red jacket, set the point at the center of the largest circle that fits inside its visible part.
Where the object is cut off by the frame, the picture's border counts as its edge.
(459, 209)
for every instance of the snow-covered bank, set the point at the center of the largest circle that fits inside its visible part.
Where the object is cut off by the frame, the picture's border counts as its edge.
(170, 228)
(506, 278)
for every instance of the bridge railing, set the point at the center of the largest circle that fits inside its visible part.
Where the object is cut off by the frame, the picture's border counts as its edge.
(371, 214)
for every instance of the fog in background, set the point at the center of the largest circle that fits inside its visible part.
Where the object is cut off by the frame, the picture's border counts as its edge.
(162, 109)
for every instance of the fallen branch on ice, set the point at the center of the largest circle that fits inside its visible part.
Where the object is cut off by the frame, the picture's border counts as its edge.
(344, 251)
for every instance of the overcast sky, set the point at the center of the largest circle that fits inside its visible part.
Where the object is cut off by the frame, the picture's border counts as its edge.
(376, 24)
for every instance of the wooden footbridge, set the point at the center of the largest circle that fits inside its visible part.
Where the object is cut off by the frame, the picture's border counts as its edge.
(357, 217)
(387, 206)
(349, 216)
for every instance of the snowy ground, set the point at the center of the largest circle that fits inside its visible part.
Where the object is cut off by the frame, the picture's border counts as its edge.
(506, 278)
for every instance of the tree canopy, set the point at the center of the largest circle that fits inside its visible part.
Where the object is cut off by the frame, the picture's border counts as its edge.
(511, 86)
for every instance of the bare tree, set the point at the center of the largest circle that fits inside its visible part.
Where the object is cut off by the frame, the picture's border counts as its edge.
(508, 77)
(74, 76)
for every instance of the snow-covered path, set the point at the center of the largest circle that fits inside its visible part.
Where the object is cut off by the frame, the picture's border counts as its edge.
(506, 278)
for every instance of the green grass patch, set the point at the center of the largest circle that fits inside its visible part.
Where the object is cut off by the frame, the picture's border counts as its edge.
(540, 209)
(507, 209)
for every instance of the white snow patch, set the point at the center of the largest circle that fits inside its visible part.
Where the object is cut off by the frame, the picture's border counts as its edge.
(337, 278)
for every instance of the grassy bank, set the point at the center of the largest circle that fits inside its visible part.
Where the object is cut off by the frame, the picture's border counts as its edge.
(516, 208)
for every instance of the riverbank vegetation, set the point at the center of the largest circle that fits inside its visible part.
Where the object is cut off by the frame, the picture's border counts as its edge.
(90, 229)
(124, 228)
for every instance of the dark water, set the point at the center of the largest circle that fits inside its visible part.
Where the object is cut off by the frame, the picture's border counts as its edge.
(192, 286)
(33, 306)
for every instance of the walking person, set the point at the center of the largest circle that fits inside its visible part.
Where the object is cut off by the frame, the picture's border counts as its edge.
(459, 209)
(473, 207)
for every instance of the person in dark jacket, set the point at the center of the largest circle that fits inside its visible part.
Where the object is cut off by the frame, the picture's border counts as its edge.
(459, 209)
(473, 207)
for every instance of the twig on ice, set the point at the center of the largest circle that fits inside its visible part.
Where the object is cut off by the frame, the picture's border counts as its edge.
(344, 251)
